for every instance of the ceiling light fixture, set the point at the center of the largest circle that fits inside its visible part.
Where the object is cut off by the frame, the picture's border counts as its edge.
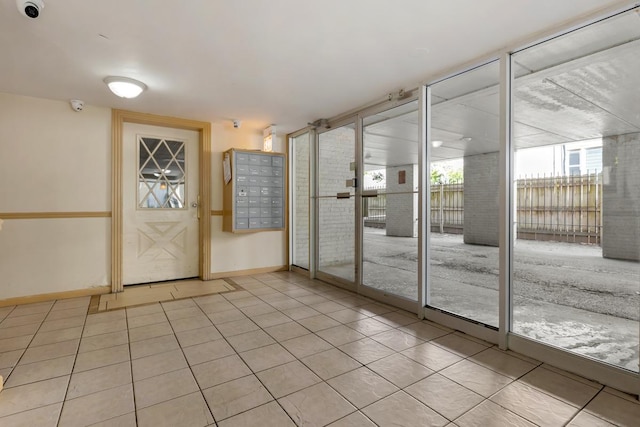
(437, 143)
(466, 139)
(125, 87)
(269, 135)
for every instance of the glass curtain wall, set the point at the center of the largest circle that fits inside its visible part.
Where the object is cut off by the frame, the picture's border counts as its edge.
(390, 201)
(576, 270)
(300, 197)
(336, 203)
(463, 269)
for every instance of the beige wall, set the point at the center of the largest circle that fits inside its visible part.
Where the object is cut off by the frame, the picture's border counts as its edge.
(53, 159)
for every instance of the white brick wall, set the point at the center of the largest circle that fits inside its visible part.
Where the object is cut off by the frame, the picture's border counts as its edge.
(402, 209)
(301, 201)
(621, 197)
(481, 199)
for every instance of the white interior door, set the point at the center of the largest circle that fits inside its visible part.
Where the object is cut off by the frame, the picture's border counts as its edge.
(160, 203)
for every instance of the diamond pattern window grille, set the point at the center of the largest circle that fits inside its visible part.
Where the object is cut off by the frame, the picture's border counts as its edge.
(161, 173)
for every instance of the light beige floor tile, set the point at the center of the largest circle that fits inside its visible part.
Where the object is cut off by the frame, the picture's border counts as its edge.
(317, 405)
(69, 322)
(237, 327)
(301, 312)
(283, 304)
(50, 351)
(403, 410)
(400, 370)
(373, 309)
(369, 326)
(475, 377)
(312, 299)
(99, 358)
(289, 378)
(97, 407)
(270, 319)
(65, 314)
(330, 363)
(287, 331)
(198, 336)
(269, 415)
(16, 343)
(12, 322)
(32, 396)
(535, 406)
(207, 351)
(19, 331)
(397, 340)
(104, 328)
(38, 371)
(327, 307)
(227, 316)
(182, 313)
(444, 396)
(231, 398)
(318, 323)
(71, 303)
(127, 420)
(362, 386)
(306, 345)
(150, 366)
(502, 363)
(423, 330)
(189, 323)
(250, 340)
(99, 342)
(461, 346)
(107, 317)
(31, 309)
(357, 419)
(9, 359)
(46, 416)
(99, 379)
(217, 307)
(51, 337)
(584, 419)
(489, 414)
(208, 299)
(164, 387)
(562, 387)
(347, 315)
(219, 371)
(366, 350)
(258, 309)
(615, 409)
(432, 356)
(397, 318)
(153, 346)
(147, 319)
(267, 357)
(189, 410)
(150, 331)
(340, 335)
(144, 310)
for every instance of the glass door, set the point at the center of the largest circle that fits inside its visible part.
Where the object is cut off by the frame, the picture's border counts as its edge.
(336, 231)
(390, 202)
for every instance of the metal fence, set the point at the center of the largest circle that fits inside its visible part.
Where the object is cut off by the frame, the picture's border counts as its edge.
(567, 208)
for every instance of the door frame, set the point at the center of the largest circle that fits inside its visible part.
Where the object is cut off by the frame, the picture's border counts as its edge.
(118, 119)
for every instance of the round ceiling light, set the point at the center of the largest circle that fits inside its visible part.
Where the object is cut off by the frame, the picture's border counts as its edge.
(125, 87)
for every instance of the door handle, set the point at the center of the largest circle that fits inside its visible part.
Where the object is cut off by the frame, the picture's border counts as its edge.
(194, 205)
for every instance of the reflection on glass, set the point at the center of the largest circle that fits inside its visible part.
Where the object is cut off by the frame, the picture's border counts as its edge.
(577, 149)
(390, 201)
(463, 269)
(336, 225)
(300, 200)
(161, 172)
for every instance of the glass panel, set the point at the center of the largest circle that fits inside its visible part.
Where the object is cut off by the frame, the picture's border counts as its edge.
(463, 269)
(390, 238)
(576, 257)
(336, 223)
(300, 200)
(161, 173)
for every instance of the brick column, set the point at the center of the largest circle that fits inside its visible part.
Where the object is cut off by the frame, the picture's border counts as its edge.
(481, 200)
(402, 209)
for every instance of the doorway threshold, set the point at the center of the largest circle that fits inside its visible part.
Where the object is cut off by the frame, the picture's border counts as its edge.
(158, 292)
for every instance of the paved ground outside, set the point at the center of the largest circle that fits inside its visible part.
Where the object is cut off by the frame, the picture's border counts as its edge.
(566, 295)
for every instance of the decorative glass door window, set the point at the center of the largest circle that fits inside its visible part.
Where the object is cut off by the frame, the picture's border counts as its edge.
(161, 173)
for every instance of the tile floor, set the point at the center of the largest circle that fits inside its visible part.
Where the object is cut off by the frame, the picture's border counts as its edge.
(284, 351)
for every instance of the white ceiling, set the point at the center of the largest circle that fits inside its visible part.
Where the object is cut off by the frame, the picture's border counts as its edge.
(286, 62)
